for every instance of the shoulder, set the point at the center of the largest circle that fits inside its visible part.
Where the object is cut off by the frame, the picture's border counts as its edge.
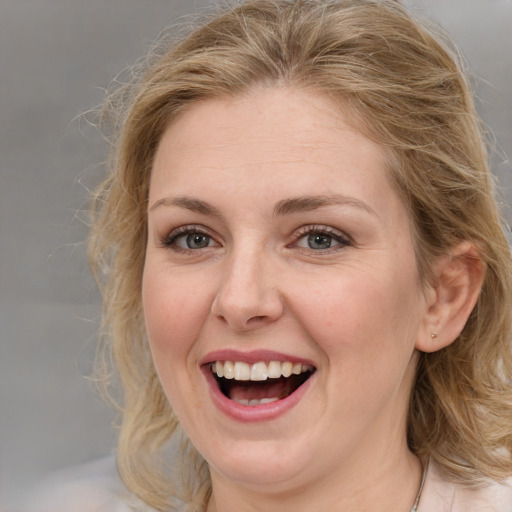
(92, 487)
(440, 495)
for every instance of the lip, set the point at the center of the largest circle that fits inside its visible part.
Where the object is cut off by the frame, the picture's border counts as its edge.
(254, 356)
(258, 413)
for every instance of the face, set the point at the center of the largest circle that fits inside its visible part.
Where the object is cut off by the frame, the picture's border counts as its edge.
(280, 290)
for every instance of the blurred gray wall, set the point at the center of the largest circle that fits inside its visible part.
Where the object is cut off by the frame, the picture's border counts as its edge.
(56, 56)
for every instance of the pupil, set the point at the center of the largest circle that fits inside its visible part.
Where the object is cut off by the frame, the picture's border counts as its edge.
(319, 241)
(197, 241)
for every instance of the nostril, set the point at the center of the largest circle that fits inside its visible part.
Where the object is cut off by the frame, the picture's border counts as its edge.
(255, 319)
(243, 322)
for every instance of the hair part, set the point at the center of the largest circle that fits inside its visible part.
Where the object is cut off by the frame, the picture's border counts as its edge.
(403, 87)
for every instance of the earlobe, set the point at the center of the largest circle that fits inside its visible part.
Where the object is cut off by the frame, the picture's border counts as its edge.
(452, 297)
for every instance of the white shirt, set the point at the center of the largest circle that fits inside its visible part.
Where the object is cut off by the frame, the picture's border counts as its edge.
(440, 495)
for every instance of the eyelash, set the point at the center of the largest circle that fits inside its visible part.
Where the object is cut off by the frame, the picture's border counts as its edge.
(342, 239)
(170, 240)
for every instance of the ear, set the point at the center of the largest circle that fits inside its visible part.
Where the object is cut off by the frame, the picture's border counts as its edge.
(450, 299)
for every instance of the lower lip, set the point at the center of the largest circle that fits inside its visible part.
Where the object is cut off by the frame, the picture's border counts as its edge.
(263, 412)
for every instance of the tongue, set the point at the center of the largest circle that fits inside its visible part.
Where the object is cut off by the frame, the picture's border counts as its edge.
(272, 388)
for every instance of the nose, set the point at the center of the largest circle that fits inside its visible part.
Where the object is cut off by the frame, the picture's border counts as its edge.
(248, 295)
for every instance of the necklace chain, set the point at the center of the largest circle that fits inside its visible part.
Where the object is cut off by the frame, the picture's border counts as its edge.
(418, 496)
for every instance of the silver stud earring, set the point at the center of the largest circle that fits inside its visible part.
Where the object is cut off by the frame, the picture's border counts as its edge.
(434, 335)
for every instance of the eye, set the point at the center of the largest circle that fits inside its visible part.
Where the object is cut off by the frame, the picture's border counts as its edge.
(318, 238)
(319, 241)
(188, 238)
(193, 241)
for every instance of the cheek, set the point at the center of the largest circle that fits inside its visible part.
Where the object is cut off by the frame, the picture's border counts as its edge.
(365, 330)
(362, 317)
(174, 312)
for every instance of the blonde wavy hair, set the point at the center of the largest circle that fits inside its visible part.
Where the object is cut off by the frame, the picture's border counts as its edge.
(407, 90)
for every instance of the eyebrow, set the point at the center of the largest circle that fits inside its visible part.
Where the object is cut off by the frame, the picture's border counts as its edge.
(309, 203)
(189, 203)
(283, 207)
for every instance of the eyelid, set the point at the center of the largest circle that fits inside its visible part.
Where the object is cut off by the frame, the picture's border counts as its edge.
(341, 237)
(169, 239)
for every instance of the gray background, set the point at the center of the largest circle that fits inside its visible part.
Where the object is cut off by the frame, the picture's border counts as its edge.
(56, 57)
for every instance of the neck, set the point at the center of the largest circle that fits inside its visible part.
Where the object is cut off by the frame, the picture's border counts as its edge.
(387, 484)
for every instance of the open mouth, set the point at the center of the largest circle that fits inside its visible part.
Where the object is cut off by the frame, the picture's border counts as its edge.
(259, 383)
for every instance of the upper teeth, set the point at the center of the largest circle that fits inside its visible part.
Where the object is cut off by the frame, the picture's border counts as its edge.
(258, 371)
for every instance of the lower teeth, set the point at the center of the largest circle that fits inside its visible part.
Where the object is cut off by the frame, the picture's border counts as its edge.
(255, 401)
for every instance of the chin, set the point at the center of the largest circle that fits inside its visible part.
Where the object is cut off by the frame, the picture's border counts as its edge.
(262, 464)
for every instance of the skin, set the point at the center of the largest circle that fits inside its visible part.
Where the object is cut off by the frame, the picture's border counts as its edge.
(356, 310)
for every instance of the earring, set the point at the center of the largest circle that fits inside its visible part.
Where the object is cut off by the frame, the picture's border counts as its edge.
(434, 335)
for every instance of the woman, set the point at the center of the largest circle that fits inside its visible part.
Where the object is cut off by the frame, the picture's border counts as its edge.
(304, 270)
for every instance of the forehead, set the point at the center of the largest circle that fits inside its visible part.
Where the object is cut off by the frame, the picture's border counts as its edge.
(278, 127)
